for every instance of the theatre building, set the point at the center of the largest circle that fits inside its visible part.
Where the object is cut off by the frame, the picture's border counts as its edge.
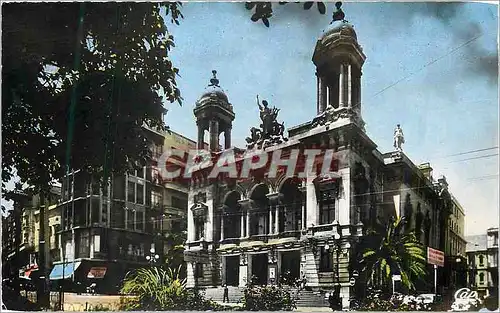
(263, 229)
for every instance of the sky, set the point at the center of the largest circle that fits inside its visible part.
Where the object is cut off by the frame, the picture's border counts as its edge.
(431, 67)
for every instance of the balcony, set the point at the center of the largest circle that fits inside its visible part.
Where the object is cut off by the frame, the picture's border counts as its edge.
(155, 130)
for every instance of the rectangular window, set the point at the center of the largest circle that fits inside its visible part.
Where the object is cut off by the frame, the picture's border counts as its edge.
(140, 220)
(156, 198)
(326, 261)
(129, 214)
(140, 173)
(179, 203)
(95, 203)
(131, 192)
(97, 243)
(199, 270)
(199, 228)
(327, 206)
(140, 192)
(104, 212)
(84, 245)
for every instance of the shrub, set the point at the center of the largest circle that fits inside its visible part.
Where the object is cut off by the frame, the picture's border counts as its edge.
(159, 289)
(268, 298)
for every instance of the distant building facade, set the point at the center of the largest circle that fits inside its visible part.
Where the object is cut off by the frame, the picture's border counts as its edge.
(108, 231)
(482, 257)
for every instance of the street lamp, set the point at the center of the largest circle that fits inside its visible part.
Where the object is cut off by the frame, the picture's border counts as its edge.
(458, 260)
(152, 258)
(336, 291)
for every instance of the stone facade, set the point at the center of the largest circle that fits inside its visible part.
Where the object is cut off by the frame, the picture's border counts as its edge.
(264, 229)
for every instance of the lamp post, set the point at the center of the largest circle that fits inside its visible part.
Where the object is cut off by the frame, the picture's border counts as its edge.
(458, 261)
(152, 258)
(336, 301)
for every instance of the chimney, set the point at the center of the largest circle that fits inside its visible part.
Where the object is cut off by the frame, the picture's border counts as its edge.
(426, 169)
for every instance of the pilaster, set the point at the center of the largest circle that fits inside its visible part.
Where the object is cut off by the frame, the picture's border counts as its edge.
(345, 197)
(311, 202)
(190, 275)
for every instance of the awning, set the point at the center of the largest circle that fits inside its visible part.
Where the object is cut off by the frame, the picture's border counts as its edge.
(28, 272)
(97, 272)
(68, 270)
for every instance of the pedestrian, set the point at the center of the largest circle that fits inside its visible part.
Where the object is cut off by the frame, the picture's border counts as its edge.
(226, 294)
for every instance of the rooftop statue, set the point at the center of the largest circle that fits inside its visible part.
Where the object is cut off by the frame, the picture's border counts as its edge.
(399, 138)
(270, 131)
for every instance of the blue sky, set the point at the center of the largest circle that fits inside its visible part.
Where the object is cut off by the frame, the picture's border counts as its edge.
(446, 105)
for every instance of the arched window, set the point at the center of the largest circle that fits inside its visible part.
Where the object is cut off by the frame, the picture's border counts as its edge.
(481, 260)
(481, 277)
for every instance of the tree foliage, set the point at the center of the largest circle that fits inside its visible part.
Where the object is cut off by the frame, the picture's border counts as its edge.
(393, 252)
(79, 80)
(263, 11)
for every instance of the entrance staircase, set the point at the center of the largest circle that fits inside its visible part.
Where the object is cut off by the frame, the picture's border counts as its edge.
(216, 294)
(305, 298)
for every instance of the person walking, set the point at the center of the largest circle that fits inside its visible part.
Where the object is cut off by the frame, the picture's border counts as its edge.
(226, 294)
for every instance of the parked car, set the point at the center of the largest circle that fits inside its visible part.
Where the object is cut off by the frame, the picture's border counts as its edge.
(429, 298)
(5, 309)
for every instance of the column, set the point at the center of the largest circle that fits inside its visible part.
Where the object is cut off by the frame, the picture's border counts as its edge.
(201, 133)
(222, 227)
(318, 94)
(190, 275)
(276, 219)
(341, 86)
(214, 135)
(248, 223)
(242, 225)
(303, 216)
(323, 94)
(270, 232)
(349, 85)
(227, 138)
(358, 87)
(191, 226)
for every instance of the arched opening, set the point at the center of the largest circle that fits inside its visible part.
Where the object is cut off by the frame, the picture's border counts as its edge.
(259, 215)
(231, 216)
(290, 215)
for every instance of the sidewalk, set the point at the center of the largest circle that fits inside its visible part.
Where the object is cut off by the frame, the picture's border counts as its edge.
(313, 309)
(299, 309)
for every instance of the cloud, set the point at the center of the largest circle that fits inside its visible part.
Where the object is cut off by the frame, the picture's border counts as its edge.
(453, 17)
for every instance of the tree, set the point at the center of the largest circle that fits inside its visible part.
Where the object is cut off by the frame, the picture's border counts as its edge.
(174, 256)
(79, 81)
(393, 252)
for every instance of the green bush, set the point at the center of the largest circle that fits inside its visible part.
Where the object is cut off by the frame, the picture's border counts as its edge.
(98, 308)
(159, 289)
(268, 298)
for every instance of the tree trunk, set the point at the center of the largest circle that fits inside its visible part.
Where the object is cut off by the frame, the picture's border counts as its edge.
(42, 293)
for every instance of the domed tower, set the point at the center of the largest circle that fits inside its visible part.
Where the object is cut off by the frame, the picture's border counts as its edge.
(214, 113)
(339, 59)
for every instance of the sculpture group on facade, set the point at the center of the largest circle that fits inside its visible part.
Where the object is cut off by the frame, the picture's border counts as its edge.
(270, 131)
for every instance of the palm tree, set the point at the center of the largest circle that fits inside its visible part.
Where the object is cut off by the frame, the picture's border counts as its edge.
(393, 252)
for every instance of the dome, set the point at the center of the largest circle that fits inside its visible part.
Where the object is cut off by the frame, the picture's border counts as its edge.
(213, 91)
(339, 28)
